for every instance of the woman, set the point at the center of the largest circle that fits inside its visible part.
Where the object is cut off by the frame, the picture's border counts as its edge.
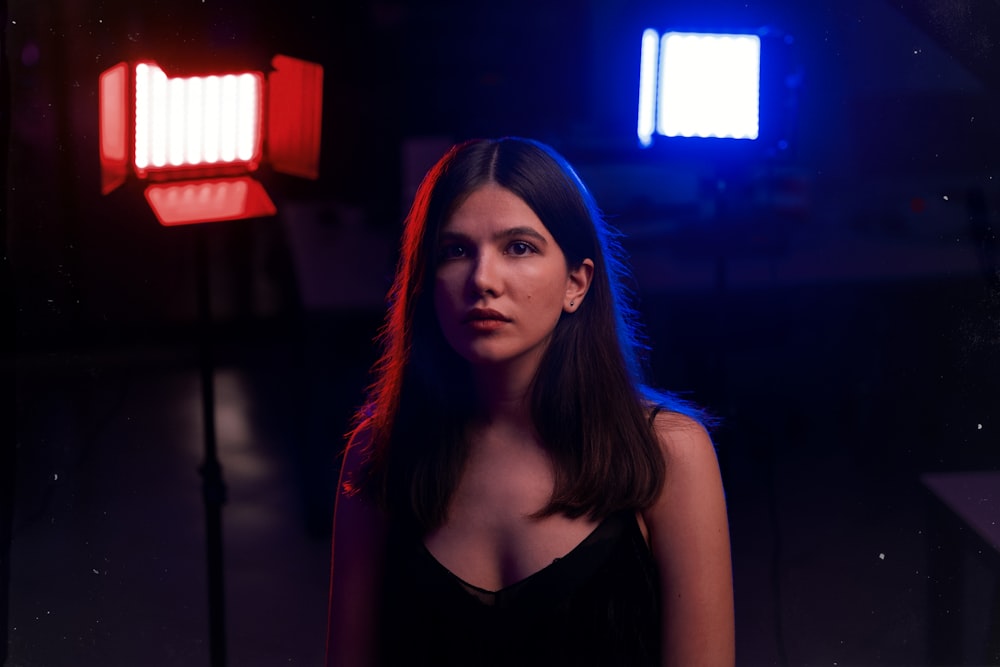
(512, 492)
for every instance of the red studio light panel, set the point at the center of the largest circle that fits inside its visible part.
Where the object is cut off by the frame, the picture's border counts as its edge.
(196, 140)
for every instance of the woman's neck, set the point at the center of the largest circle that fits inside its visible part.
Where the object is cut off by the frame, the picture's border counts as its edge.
(502, 397)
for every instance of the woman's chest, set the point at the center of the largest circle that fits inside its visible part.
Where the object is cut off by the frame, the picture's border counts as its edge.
(491, 538)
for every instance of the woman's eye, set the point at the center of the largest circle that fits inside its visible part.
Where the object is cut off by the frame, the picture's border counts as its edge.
(520, 248)
(452, 251)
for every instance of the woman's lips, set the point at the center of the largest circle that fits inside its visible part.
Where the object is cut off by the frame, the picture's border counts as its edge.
(485, 325)
(485, 319)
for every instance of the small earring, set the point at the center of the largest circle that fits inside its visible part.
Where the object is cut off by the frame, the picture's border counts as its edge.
(572, 303)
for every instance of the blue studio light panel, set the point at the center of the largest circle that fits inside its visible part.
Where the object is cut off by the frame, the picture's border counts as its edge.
(699, 85)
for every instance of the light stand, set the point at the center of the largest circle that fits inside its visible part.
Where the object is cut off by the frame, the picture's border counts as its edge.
(212, 484)
(198, 161)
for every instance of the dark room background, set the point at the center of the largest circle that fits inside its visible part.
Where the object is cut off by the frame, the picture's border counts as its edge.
(834, 299)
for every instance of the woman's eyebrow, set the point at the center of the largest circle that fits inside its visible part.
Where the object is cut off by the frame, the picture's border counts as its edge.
(449, 235)
(511, 232)
(522, 231)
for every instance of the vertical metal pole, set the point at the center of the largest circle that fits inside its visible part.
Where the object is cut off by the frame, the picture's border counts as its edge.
(213, 487)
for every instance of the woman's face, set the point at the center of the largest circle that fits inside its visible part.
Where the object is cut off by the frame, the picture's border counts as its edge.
(502, 282)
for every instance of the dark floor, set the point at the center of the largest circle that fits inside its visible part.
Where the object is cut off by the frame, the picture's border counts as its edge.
(832, 412)
(109, 562)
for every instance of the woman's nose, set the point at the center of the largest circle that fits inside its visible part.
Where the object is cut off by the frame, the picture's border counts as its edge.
(484, 278)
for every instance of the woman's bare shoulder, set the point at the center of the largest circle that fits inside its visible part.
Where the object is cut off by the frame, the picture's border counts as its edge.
(359, 533)
(682, 437)
(689, 537)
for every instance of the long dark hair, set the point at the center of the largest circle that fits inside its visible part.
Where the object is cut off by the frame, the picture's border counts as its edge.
(589, 402)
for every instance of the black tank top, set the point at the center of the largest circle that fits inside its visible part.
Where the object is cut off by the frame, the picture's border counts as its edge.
(598, 605)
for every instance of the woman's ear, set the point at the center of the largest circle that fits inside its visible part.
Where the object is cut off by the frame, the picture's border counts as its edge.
(577, 284)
